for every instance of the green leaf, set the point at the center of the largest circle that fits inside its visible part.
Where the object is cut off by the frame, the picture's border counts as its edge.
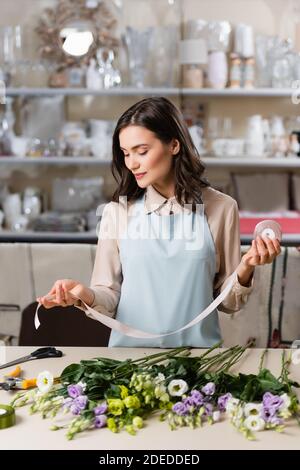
(72, 373)
(270, 386)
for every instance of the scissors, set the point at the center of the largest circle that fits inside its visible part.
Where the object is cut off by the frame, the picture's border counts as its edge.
(40, 353)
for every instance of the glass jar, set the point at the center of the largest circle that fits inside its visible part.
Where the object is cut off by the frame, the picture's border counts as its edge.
(32, 203)
(193, 76)
(217, 73)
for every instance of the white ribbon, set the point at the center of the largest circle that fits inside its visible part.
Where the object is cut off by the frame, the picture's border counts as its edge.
(129, 331)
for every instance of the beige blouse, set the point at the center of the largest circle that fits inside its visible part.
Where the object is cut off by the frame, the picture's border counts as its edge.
(223, 220)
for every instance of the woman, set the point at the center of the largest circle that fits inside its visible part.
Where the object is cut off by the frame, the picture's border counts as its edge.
(160, 262)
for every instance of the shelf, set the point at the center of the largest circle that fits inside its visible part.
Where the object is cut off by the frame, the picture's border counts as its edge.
(7, 236)
(155, 91)
(54, 161)
(249, 162)
(210, 162)
(241, 92)
(125, 91)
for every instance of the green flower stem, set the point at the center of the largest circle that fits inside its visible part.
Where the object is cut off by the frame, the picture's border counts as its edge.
(222, 362)
(262, 360)
(237, 352)
(233, 361)
(162, 354)
(168, 356)
(207, 363)
(152, 360)
(284, 375)
(216, 359)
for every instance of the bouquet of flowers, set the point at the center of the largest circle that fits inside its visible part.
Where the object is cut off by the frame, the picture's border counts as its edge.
(178, 388)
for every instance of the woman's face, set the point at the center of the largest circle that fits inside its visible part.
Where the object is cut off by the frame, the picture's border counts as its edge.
(147, 157)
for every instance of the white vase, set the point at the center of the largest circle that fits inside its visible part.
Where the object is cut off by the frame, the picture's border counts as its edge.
(255, 143)
(217, 71)
(12, 207)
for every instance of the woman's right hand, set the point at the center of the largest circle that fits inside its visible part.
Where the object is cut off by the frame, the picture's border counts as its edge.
(65, 292)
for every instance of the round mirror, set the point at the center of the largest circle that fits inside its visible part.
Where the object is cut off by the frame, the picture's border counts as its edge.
(77, 38)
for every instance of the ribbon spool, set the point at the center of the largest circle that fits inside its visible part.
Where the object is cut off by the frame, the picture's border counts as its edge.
(7, 416)
(268, 228)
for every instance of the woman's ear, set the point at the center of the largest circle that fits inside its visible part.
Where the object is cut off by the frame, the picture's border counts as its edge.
(175, 146)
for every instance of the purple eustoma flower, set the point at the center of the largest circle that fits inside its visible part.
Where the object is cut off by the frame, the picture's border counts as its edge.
(208, 409)
(100, 421)
(194, 399)
(222, 401)
(268, 413)
(180, 408)
(276, 420)
(270, 400)
(209, 388)
(75, 391)
(67, 402)
(101, 409)
(81, 402)
(75, 410)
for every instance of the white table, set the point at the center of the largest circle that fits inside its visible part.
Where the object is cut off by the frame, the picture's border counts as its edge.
(32, 432)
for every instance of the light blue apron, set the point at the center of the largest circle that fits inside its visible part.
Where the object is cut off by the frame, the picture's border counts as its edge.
(168, 266)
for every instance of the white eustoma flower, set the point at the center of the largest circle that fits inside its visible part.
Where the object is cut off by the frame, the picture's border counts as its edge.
(159, 390)
(238, 413)
(252, 409)
(177, 388)
(82, 385)
(159, 378)
(232, 405)
(216, 416)
(45, 381)
(254, 423)
(237, 422)
(286, 402)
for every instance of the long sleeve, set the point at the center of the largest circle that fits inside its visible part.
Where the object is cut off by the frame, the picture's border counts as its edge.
(229, 256)
(106, 278)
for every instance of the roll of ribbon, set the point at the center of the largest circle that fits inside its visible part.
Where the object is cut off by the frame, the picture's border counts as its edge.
(268, 228)
(7, 416)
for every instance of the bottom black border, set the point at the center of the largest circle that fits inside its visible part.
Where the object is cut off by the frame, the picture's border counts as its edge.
(133, 459)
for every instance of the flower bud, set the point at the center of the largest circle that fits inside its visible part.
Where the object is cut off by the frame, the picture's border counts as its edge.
(137, 422)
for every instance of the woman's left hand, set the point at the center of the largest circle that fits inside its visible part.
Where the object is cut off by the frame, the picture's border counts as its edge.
(263, 251)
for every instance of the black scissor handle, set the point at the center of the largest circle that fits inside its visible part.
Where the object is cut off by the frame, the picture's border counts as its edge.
(46, 352)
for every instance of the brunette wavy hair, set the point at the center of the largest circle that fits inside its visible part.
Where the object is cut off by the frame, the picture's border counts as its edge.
(159, 115)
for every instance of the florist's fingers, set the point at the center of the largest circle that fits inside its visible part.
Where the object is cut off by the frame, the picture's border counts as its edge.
(262, 250)
(59, 293)
(69, 299)
(253, 248)
(51, 293)
(271, 249)
(47, 303)
(63, 301)
(254, 253)
(277, 246)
